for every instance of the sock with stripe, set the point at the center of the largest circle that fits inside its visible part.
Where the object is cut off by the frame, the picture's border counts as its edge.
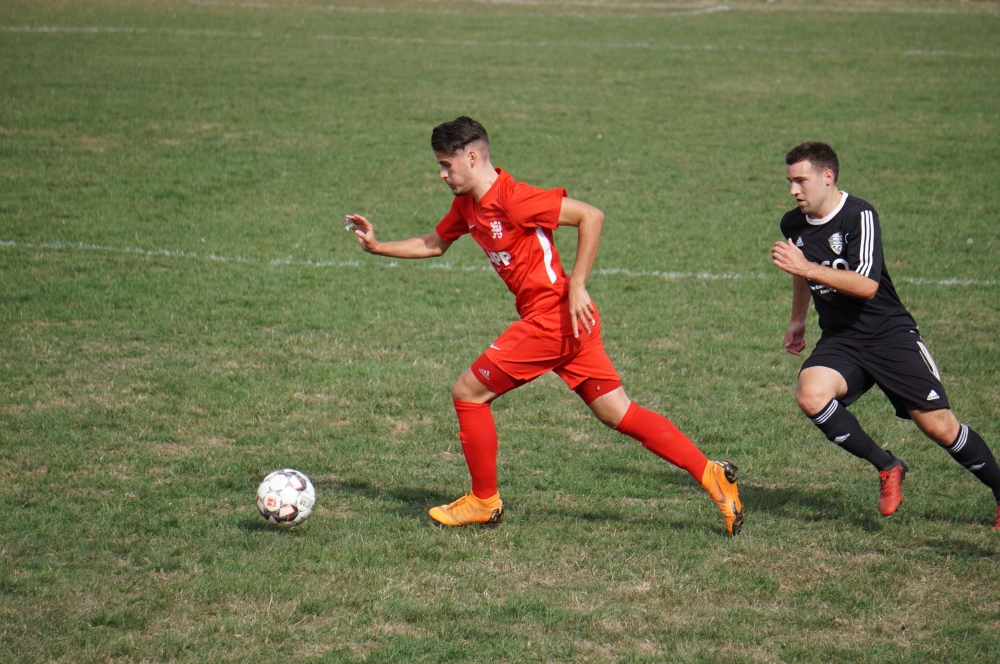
(841, 427)
(970, 450)
(659, 435)
(478, 433)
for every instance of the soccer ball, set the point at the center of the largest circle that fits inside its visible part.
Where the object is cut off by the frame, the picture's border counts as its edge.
(285, 498)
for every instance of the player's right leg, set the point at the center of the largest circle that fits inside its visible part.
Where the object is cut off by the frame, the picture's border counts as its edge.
(819, 393)
(472, 394)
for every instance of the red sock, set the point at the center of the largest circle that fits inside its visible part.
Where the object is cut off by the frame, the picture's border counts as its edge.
(659, 435)
(478, 433)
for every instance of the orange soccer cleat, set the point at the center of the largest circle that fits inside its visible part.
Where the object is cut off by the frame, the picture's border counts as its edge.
(469, 509)
(890, 495)
(719, 479)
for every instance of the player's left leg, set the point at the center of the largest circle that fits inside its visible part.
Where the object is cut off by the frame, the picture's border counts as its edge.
(906, 372)
(592, 375)
(965, 446)
(656, 433)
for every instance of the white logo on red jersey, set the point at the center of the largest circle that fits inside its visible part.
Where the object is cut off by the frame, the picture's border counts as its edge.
(497, 228)
(485, 373)
(500, 257)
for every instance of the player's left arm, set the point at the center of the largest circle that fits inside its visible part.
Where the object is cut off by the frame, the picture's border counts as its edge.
(788, 257)
(588, 221)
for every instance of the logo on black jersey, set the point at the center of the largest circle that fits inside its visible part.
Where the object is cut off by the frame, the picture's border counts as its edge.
(836, 243)
(799, 242)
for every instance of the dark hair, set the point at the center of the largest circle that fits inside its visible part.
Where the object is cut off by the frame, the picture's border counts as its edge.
(453, 137)
(820, 155)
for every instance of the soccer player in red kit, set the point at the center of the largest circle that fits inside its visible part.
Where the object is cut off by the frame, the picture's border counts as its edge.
(559, 328)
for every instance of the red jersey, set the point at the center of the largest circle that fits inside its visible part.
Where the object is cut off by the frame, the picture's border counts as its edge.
(513, 223)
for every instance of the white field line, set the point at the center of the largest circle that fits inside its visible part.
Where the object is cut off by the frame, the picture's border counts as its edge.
(433, 265)
(58, 29)
(670, 9)
(675, 10)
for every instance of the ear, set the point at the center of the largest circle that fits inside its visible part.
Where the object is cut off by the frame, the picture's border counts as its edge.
(473, 157)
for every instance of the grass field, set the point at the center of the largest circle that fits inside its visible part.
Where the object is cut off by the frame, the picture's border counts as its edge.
(181, 312)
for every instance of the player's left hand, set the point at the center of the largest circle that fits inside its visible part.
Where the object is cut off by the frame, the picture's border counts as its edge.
(581, 309)
(363, 229)
(788, 257)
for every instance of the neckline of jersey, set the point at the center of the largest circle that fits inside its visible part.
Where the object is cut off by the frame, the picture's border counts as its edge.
(493, 187)
(820, 222)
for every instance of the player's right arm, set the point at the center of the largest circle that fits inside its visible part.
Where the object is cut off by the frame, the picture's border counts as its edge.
(795, 337)
(423, 246)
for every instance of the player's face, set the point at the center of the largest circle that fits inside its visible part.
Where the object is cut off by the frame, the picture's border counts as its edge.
(810, 186)
(456, 170)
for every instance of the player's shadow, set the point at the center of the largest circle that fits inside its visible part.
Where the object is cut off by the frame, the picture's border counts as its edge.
(406, 501)
(812, 505)
(661, 519)
(638, 480)
(655, 474)
(956, 548)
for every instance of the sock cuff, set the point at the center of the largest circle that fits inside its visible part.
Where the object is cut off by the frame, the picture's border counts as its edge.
(623, 426)
(960, 440)
(826, 413)
(469, 407)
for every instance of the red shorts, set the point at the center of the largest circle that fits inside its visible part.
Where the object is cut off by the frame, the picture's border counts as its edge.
(526, 350)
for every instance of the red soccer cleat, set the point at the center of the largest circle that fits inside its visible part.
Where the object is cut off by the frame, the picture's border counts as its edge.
(890, 496)
(996, 524)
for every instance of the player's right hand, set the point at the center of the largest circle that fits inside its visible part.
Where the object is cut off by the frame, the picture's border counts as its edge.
(795, 338)
(363, 229)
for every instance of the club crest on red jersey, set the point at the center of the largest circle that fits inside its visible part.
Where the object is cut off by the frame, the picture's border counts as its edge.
(497, 228)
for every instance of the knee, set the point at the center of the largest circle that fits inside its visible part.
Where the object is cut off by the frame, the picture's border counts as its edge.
(610, 419)
(941, 426)
(812, 401)
(461, 390)
(611, 408)
(468, 389)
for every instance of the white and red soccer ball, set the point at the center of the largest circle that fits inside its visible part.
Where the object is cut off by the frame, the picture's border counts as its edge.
(285, 498)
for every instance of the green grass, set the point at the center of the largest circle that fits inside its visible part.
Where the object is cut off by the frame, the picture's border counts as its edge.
(144, 394)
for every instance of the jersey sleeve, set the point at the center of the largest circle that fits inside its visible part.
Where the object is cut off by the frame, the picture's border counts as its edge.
(786, 225)
(864, 245)
(531, 207)
(453, 225)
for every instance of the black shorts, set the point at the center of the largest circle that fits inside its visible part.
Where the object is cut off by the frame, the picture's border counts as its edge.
(899, 364)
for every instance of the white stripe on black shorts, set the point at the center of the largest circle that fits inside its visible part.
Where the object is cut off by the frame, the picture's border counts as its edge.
(899, 363)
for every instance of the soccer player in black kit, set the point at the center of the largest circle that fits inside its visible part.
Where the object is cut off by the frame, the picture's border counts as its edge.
(833, 250)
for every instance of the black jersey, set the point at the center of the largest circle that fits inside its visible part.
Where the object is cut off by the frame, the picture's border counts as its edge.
(848, 239)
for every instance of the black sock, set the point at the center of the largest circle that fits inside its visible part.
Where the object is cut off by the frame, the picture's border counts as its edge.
(970, 450)
(837, 423)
